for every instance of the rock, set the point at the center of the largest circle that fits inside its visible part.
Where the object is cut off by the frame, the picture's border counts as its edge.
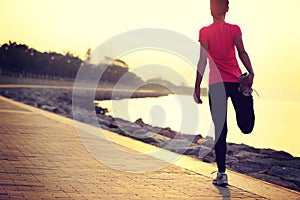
(199, 140)
(230, 160)
(286, 173)
(148, 140)
(107, 122)
(163, 141)
(140, 122)
(65, 96)
(275, 180)
(144, 137)
(168, 132)
(248, 165)
(208, 142)
(49, 108)
(100, 110)
(210, 157)
(191, 151)
(204, 151)
(178, 143)
(180, 146)
(294, 163)
(240, 155)
(233, 148)
(278, 155)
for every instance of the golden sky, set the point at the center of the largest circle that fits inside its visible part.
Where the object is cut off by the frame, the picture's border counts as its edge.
(270, 29)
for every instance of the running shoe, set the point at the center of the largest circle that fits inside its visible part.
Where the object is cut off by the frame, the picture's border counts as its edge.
(245, 87)
(221, 180)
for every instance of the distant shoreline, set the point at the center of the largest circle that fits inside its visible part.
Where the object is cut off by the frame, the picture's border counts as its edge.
(144, 90)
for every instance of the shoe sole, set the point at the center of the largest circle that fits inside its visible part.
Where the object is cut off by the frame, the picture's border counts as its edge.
(221, 185)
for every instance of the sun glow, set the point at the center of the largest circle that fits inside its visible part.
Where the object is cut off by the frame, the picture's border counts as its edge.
(270, 30)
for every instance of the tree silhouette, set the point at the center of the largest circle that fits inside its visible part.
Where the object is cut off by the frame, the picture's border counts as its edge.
(20, 59)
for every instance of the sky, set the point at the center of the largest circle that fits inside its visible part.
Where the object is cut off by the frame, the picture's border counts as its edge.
(271, 32)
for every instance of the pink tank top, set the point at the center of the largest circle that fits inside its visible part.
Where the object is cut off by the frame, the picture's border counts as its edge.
(223, 64)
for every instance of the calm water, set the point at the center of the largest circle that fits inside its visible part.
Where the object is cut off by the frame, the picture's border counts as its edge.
(276, 121)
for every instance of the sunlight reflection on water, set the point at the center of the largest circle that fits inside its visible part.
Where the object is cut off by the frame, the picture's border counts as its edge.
(276, 121)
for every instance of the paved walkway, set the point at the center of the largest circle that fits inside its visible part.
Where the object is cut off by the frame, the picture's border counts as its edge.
(43, 156)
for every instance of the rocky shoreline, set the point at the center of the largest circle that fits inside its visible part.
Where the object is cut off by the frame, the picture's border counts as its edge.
(273, 166)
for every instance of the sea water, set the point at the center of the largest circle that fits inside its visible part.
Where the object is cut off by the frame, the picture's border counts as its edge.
(276, 124)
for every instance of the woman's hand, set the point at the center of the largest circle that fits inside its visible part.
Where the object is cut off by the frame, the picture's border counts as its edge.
(250, 79)
(196, 95)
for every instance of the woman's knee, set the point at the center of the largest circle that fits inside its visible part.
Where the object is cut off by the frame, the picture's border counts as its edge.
(246, 129)
(246, 122)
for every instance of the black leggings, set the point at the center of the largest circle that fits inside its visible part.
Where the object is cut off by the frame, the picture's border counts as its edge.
(243, 106)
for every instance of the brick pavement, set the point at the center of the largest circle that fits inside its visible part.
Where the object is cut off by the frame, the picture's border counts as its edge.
(44, 158)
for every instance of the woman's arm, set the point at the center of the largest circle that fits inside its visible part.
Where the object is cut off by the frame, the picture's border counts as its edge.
(238, 42)
(200, 71)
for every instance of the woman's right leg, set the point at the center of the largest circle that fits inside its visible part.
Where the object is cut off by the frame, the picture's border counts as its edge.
(218, 108)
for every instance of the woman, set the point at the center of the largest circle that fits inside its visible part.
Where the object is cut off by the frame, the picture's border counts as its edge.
(218, 42)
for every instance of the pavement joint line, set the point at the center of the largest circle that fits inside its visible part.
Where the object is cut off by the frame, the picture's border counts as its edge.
(237, 180)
